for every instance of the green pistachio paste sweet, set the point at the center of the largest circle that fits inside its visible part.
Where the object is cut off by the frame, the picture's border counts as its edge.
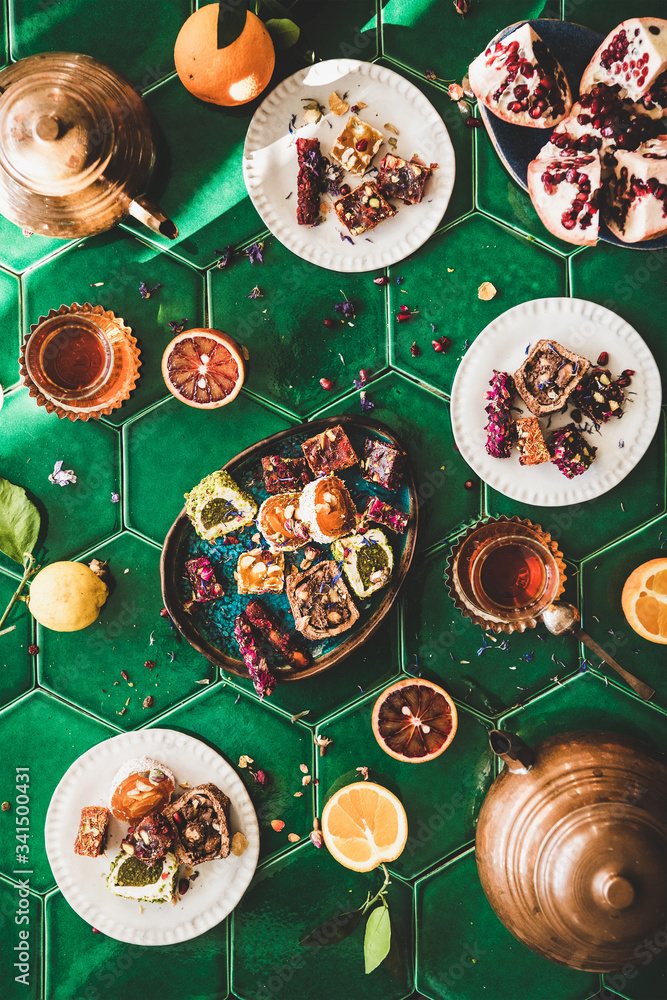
(218, 512)
(369, 558)
(135, 872)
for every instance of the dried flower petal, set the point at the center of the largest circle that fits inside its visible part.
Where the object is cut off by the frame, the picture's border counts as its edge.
(60, 476)
(239, 844)
(304, 768)
(226, 255)
(366, 404)
(322, 742)
(430, 74)
(306, 780)
(364, 772)
(455, 91)
(337, 104)
(115, 497)
(486, 291)
(255, 294)
(345, 309)
(316, 838)
(259, 776)
(293, 837)
(254, 253)
(177, 326)
(145, 291)
(277, 825)
(298, 795)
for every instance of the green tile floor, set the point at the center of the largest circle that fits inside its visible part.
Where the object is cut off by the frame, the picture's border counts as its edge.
(62, 700)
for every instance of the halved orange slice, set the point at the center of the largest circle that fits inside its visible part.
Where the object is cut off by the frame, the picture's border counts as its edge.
(364, 824)
(414, 720)
(203, 368)
(644, 600)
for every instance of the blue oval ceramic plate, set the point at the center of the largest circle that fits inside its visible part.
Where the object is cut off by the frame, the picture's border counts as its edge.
(209, 626)
(573, 45)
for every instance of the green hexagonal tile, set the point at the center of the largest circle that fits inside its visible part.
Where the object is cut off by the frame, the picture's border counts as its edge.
(367, 669)
(237, 726)
(132, 40)
(107, 270)
(476, 957)
(104, 967)
(21, 928)
(441, 281)
(422, 423)
(603, 577)
(413, 31)
(40, 733)
(582, 528)
(85, 667)
(438, 825)
(500, 195)
(9, 317)
(4, 39)
(337, 28)
(644, 979)
(603, 17)
(586, 703)
(198, 180)
(176, 446)
(489, 673)
(19, 250)
(16, 673)
(291, 898)
(629, 283)
(290, 348)
(74, 517)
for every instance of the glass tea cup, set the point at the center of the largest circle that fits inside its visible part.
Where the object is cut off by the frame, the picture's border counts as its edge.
(513, 577)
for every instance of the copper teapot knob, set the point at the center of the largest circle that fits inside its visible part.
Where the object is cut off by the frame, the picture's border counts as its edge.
(47, 128)
(616, 890)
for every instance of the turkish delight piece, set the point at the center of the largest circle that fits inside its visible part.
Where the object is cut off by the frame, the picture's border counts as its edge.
(309, 182)
(571, 451)
(201, 577)
(367, 559)
(260, 571)
(263, 680)
(356, 145)
(92, 832)
(363, 209)
(600, 396)
(532, 449)
(383, 513)
(216, 506)
(329, 450)
(500, 429)
(320, 601)
(548, 376)
(284, 475)
(404, 179)
(381, 463)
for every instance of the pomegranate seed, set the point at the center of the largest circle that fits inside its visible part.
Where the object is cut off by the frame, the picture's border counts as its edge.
(326, 383)
(441, 344)
(628, 371)
(33, 649)
(178, 818)
(473, 122)
(401, 317)
(469, 484)
(405, 309)
(364, 374)
(124, 675)
(329, 323)
(95, 930)
(345, 189)
(183, 886)
(415, 350)
(362, 145)
(164, 613)
(382, 280)
(603, 359)
(437, 346)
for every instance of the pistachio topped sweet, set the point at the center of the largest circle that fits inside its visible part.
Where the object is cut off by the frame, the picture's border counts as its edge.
(216, 506)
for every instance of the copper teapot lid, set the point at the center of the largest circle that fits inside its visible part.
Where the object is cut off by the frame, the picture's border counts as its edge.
(75, 144)
(570, 846)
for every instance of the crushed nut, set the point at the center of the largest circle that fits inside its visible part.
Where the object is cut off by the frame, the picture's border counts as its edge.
(391, 128)
(6, 806)
(486, 291)
(304, 768)
(311, 116)
(293, 837)
(455, 91)
(337, 104)
(306, 779)
(244, 760)
(297, 795)
(149, 701)
(239, 844)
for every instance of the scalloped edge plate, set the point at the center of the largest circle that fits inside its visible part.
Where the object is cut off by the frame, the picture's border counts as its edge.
(573, 45)
(270, 162)
(583, 327)
(82, 881)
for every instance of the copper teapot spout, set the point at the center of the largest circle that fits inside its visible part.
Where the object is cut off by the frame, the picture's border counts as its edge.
(152, 216)
(511, 749)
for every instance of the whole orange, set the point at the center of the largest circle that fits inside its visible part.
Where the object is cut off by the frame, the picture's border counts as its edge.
(232, 75)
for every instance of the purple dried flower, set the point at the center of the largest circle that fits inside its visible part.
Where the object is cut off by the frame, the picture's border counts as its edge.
(177, 326)
(115, 497)
(145, 291)
(366, 404)
(462, 7)
(345, 309)
(255, 294)
(344, 237)
(291, 124)
(60, 476)
(430, 74)
(316, 838)
(400, 280)
(226, 256)
(254, 253)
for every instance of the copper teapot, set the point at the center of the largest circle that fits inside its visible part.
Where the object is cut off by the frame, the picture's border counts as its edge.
(570, 846)
(76, 149)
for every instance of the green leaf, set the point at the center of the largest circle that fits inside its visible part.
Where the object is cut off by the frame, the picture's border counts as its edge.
(231, 22)
(284, 33)
(377, 938)
(19, 522)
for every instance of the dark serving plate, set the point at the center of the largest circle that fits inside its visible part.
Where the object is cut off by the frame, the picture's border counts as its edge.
(209, 627)
(573, 45)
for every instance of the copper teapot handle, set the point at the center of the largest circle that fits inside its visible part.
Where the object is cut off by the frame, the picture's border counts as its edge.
(511, 749)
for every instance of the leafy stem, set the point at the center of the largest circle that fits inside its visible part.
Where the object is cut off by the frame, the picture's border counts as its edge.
(29, 569)
(379, 895)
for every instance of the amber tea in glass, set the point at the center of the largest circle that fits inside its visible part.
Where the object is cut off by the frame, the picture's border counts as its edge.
(71, 359)
(513, 576)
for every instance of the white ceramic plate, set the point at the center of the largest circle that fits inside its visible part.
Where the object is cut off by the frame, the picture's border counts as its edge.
(587, 329)
(82, 881)
(270, 162)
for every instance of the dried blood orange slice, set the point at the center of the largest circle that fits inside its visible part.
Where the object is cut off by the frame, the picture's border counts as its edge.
(203, 368)
(414, 720)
